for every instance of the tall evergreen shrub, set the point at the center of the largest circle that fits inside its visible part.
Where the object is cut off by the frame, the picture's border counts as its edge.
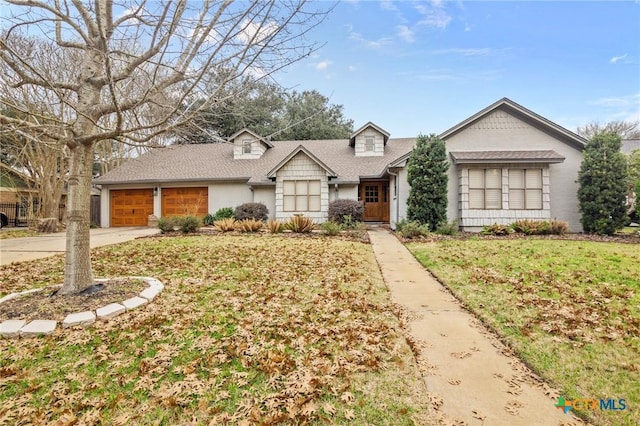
(427, 174)
(603, 185)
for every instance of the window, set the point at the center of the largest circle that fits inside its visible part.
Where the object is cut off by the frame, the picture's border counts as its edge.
(525, 189)
(485, 189)
(369, 143)
(246, 146)
(301, 195)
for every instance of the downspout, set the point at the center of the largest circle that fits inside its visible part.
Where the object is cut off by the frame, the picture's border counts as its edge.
(397, 191)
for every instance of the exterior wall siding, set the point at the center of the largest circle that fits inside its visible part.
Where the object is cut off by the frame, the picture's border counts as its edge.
(267, 196)
(378, 144)
(228, 195)
(301, 167)
(501, 131)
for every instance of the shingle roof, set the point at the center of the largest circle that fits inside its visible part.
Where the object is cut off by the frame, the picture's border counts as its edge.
(207, 162)
(549, 156)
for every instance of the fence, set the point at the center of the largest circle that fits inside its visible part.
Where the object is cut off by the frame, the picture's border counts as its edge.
(24, 213)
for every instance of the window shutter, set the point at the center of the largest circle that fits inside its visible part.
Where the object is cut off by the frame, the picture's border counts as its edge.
(493, 178)
(289, 203)
(314, 203)
(301, 187)
(476, 178)
(534, 199)
(476, 198)
(534, 178)
(516, 198)
(516, 178)
(493, 199)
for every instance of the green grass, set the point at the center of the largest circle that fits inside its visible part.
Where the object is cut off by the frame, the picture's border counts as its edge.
(570, 309)
(262, 329)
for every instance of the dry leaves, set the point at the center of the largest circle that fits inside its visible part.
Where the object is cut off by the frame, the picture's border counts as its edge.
(248, 330)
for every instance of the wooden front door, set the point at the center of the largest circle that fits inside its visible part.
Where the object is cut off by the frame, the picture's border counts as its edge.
(131, 207)
(375, 196)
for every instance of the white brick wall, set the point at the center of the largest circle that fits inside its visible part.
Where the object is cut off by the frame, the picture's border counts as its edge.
(301, 167)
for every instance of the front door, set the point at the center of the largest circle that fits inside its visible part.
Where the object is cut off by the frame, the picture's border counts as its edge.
(375, 196)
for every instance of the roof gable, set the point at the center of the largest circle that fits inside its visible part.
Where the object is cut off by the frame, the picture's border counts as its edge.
(524, 114)
(300, 148)
(385, 134)
(233, 137)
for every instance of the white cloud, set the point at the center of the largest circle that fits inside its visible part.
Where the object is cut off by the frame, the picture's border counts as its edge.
(433, 15)
(252, 33)
(615, 59)
(625, 107)
(388, 5)
(352, 68)
(323, 65)
(374, 44)
(405, 33)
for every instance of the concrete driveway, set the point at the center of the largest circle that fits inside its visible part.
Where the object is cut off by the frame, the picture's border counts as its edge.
(29, 248)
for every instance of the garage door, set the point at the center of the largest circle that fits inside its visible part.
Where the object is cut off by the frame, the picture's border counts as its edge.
(185, 201)
(131, 207)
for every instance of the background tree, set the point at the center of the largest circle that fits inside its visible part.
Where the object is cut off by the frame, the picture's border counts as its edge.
(624, 129)
(142, 69)
(268, 110)
(603, 185)
(427, 174)
(308, 115)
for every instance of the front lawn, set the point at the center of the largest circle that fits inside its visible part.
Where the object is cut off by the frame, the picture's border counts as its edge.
(5, 234)
(570, 309)
(248, 330)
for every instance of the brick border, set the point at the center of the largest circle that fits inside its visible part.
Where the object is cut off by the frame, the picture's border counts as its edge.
(22, 328)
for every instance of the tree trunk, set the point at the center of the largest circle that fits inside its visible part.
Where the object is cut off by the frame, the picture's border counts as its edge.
(77, 268)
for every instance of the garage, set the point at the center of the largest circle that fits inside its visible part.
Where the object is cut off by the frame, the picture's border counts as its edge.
(185, 201)
(131, 207)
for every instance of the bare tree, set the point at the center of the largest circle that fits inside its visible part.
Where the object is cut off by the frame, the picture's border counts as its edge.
(142, 68)
(624, 129)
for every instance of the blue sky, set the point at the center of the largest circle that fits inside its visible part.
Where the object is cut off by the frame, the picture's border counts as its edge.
(421, 67)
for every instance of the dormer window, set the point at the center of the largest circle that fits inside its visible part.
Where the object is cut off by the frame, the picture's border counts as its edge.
(369, 143)
(246, 146)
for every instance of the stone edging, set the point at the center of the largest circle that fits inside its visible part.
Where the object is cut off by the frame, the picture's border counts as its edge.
(20, 328)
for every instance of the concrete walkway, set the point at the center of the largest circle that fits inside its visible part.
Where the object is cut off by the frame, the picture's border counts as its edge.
(29, 248)
(471, 377)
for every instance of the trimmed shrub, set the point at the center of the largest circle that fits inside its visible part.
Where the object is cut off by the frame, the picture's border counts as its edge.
(257, 211)
(331, 228)
(300, 224)
(340, 209)
(208, 220)
(411, 229)
(275, 226)
(559, 227)
(166, 224)
(188, 224)
(223, 213)
(497, 229)
(249, 225)
(225, 225)
(531, 227)
(448, 228)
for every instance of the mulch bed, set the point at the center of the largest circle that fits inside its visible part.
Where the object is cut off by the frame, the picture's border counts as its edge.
(46, 305)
